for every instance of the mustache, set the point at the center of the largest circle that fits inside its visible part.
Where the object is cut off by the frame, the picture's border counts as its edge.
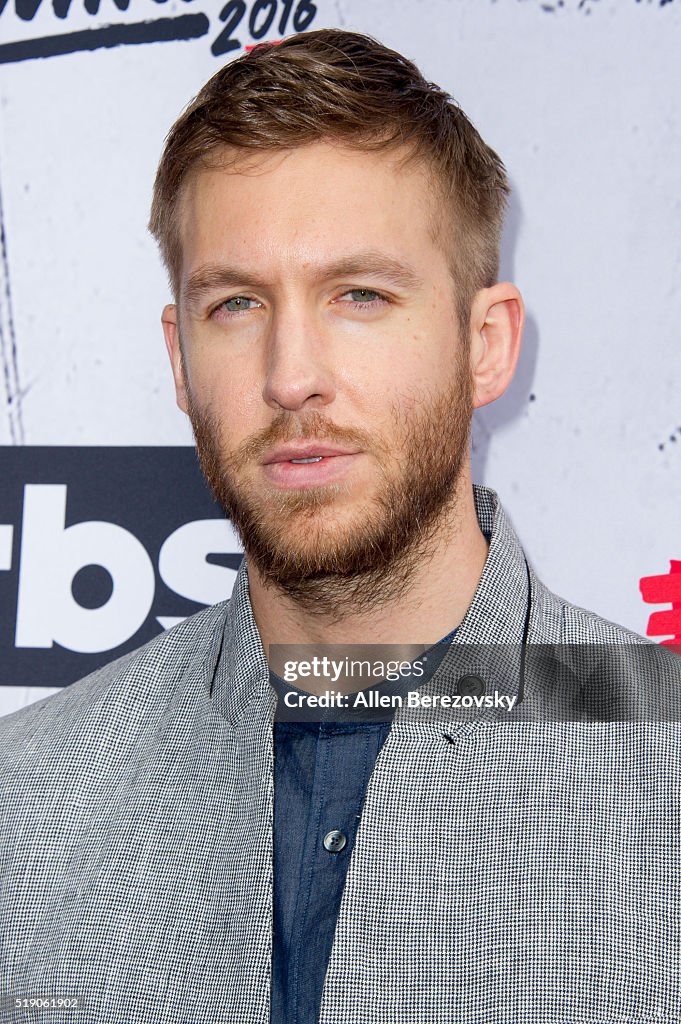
(286, 427)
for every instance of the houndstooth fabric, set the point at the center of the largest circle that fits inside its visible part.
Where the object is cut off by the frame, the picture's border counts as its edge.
(508, 872)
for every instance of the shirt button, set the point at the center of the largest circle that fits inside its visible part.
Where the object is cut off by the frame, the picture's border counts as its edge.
(334, 841)
(471, 686)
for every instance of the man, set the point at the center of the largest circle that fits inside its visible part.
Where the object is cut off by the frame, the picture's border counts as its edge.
(174, 849)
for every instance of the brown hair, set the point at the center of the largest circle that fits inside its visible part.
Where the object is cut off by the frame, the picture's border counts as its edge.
(342, 86)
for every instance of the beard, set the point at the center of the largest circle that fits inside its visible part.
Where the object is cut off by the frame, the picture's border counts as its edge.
(302, 542)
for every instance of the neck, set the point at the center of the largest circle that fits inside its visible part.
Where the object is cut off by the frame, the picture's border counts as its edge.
(435, 601)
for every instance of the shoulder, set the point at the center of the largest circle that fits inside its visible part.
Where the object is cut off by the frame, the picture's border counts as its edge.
(556, 620)
(123, 697)
(584, 667)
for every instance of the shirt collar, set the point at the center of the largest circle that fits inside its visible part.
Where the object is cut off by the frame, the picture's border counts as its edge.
(496, 616)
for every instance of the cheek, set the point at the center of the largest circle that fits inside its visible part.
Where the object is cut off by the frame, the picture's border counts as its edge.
(226, 398)
(422, 362)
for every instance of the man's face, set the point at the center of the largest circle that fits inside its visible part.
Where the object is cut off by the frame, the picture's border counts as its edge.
(318, 321)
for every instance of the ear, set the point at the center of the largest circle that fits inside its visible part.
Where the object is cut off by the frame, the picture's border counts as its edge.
(497, 318)
(171, 334)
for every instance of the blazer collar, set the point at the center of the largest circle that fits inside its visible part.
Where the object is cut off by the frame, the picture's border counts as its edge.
(497, 613)
(496, 616)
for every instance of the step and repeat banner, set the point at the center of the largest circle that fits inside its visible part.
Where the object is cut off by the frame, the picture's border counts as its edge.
(108, 534)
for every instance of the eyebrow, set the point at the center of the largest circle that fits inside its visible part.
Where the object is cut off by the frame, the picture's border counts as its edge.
(216, 276)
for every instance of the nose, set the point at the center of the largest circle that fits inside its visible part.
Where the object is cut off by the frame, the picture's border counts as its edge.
(298, 368)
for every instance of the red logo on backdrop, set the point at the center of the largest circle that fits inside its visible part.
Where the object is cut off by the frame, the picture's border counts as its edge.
(665, 590)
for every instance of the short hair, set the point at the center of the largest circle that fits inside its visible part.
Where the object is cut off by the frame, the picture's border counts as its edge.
(333, 85)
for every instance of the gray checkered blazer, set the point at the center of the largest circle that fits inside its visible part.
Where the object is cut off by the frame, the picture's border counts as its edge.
(509, 872)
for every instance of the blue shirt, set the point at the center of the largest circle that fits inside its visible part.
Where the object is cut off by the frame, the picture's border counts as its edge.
(321, 773)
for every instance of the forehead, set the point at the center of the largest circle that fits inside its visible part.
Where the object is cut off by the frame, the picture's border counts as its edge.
(306, 205)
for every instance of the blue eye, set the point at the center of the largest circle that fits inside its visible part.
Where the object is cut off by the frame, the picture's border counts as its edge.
(363, 298)
(237, 304)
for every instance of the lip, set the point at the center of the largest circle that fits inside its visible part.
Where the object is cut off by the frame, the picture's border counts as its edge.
(331, 469)
(304, 450)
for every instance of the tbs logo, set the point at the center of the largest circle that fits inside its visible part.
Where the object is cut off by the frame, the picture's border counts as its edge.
(100, 549)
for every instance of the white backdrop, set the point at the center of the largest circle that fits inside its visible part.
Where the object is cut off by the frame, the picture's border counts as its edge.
(581, 100)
